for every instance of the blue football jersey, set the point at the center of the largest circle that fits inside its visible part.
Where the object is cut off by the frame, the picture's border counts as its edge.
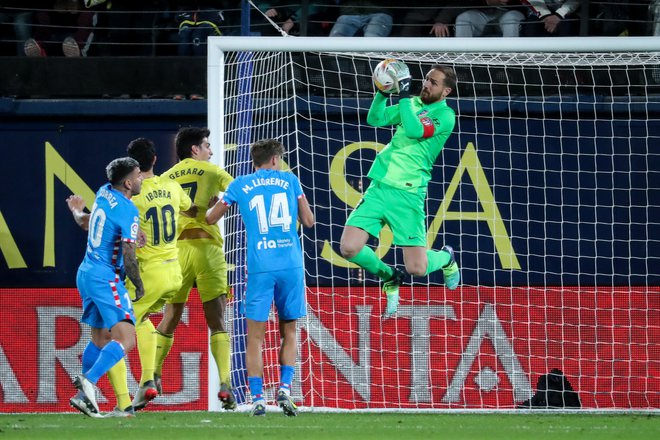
(114, 219)
(268, 203)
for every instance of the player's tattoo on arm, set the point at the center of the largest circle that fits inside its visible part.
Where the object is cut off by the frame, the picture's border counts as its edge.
(132, 268)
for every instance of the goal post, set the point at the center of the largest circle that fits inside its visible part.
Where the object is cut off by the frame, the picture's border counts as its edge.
(547, 190)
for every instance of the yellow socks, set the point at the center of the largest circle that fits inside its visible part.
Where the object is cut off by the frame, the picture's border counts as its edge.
(119, 382)
(163, 346)
(146, 344)
(221, 351)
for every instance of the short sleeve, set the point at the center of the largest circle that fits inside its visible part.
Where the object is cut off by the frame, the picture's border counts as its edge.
(224, 179)
(297, 187)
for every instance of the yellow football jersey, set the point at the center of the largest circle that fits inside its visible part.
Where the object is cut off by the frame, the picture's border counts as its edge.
(160, 201)
(201, 180)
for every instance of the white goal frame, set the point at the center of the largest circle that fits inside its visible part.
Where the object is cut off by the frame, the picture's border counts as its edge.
(217, 46)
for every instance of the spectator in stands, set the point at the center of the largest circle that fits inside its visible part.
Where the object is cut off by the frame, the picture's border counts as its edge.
(547, 18)
(197, 21)
(320, 19)
(130, 27)
(319, 16)
(441, 20)
(67, 24)
(374, 19)
(609, 19)
(15, 21)
(279, 12)
(503, 18)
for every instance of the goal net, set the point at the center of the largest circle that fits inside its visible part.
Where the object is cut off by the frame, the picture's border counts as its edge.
(547, 190)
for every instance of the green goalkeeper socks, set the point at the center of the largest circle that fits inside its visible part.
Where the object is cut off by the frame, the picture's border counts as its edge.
(437, 260)
(369, 261)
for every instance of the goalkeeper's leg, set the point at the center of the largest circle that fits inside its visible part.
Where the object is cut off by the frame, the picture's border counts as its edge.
(354, 249)
(421, 262)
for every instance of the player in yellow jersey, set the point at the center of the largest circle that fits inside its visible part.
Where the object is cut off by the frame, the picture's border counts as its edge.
(159, 204)
(201, 256)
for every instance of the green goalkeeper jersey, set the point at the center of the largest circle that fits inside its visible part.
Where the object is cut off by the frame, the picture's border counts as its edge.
(406, 162)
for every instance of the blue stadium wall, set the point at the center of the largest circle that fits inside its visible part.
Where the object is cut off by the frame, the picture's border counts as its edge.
(49, 142)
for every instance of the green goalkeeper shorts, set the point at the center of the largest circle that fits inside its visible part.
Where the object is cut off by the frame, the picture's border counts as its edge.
(402, 211)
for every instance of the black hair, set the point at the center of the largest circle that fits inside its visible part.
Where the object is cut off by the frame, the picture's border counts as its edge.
(187, 137)
(119, 169)
(142, 150)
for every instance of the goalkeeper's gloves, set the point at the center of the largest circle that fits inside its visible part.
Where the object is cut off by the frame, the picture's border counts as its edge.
(404, 87)
(402, 79)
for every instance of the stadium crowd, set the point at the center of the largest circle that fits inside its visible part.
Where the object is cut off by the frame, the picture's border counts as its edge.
(164, 27)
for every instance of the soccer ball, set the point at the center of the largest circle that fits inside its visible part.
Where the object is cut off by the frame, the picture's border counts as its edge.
(384, 76)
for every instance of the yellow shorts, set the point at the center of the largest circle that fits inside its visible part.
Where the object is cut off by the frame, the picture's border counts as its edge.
(162, 280)
(202, 262)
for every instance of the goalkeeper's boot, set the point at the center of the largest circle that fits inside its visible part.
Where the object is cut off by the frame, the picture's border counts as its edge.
(285, 402)
(450, 272)
(127, 412)
(85, 400)
(158, 381)
(226, 396)
(145, 394)
(391, 290)
(258, 409)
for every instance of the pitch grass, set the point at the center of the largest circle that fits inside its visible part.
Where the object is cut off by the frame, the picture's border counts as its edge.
(344, 426)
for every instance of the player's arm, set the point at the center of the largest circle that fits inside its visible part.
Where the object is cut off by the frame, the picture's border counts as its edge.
(427, 126)
(305, 214)
(77, 206)
(215, 213)
(380, 114)
(131, 267)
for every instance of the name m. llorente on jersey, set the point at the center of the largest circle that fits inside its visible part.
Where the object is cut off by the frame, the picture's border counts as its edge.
(265, 181)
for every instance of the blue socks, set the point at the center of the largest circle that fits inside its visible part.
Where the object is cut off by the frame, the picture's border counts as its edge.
(112, 353)
(256, 385)
(89, 356)
(286, 377)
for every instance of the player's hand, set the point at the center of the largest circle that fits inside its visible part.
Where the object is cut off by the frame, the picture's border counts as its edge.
(75, 203)
(402, 78)
(139, 293)
(213, 200)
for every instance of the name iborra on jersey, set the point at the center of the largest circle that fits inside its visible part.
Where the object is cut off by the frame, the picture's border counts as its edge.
(272, 181)
(158, 194)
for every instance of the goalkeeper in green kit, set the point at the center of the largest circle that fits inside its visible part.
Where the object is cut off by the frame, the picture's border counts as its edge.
(399, 180)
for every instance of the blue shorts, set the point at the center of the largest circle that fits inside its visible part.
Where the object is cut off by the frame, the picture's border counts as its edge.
(286, 288)
(105, 300)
